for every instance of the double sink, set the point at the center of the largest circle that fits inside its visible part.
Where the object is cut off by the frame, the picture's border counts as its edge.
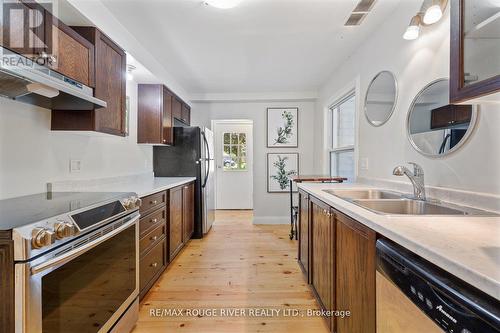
(395, 203)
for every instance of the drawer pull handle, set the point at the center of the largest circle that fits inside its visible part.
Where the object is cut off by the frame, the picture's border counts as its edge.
(154, 265)
(154, 220)
(154, 238)
(154, 202)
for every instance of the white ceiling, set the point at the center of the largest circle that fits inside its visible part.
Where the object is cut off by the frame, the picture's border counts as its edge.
(259, 46)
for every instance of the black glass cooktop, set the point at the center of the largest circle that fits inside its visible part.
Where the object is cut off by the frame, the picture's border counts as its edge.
(17, 212)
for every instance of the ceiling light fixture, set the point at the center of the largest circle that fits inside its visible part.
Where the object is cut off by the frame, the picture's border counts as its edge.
(434, 11)
(223, 4)
(413, 30)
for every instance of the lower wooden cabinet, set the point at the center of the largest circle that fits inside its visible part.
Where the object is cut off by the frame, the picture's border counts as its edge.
(341, 264)
(180, 217)
(322, 257)
(175, 229)
(303, 233)
(165, 226)
(355, 281)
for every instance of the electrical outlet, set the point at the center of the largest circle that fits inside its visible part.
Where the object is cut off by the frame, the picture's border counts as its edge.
(364, 163)
(75, 166)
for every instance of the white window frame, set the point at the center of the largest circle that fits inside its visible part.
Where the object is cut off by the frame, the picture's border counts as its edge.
(333, 147)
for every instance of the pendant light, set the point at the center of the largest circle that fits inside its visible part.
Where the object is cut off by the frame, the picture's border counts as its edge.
(434, 11)
(413, 30)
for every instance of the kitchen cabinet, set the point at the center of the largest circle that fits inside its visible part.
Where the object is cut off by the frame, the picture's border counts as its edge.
(177, 108)
(474, 51)
(110, 85)
(341, 263)
(451, 115)
(34, 32)
(153, 255)
(175, 228)
(303, 232)
(188, 211)
(7, 320)
(155, 119)
(355, 280)
(186, 114)
(323, 257)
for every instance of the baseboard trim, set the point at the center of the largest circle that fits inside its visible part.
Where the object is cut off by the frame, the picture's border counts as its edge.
(271, 220)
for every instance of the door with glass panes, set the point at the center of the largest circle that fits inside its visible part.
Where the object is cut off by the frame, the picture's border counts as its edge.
(234, 174)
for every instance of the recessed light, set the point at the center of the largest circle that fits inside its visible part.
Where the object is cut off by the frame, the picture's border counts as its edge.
(413, 30)
(223, 4)
(433, 14)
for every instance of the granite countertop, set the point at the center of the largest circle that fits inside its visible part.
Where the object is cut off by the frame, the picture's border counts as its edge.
(467, 247)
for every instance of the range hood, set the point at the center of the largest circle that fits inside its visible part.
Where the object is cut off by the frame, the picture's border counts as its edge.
(24, 80)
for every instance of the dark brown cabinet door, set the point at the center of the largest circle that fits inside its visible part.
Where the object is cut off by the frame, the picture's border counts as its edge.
(471, 74)
(155, 122)
(110, 86)
(175, 227)
(355, 280)
(71, 54)
(188, 211)
(323, 260)
(109, 79)
(167, 124)
(450, 115)
(177, 108)
(303, 230)
(186, 114)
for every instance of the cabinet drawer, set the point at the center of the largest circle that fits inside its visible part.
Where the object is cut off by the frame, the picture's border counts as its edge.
(153, 237)
(152, 201)
(150, 221)
(152, 264)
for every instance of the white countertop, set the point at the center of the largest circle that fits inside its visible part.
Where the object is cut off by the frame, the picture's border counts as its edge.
(467, 247)
(142, 185)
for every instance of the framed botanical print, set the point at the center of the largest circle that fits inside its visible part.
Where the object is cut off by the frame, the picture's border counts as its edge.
(282, 127)
(280, 166)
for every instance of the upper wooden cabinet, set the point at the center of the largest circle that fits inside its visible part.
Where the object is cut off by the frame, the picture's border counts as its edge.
(451, 115)
(154, 121)
(186, 114)
(34, 32)
(110, 85)
(475, 51)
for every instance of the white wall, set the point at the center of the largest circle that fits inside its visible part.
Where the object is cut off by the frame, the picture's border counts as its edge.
(268, 207)
(475, 167)
(31, 155)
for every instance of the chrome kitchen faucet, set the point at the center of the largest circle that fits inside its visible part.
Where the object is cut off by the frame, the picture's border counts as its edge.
(416, 178)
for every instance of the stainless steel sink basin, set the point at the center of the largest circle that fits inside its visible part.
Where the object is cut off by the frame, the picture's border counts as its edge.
(364, 194)
(413, 207)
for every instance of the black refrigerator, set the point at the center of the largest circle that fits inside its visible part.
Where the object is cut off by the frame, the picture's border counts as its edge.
(191, 155)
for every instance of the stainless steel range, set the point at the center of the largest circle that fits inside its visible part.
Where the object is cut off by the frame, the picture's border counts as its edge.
(76, 261)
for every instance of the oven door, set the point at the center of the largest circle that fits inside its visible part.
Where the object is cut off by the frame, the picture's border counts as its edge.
(85, 287)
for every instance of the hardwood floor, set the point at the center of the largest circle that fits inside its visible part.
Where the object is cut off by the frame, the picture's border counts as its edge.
(237, 266)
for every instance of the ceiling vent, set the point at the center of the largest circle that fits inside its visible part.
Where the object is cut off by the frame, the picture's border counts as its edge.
(359, 13)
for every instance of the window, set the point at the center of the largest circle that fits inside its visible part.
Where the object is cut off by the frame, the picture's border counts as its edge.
(343, 116)
(235, 152)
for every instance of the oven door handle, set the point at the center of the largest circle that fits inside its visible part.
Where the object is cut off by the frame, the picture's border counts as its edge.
(67, 257)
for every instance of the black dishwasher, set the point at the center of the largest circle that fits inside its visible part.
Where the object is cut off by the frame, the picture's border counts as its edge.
(449, 304)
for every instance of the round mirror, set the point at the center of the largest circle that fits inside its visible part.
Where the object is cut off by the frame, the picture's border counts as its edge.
(435, 127)
(380, 99)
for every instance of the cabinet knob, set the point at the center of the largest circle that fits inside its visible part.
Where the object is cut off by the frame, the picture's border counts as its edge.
(155, 264)
(154, 238)
(154, 220)
(154, 202)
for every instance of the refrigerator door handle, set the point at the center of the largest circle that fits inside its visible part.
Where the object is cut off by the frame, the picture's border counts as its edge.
(207, 163)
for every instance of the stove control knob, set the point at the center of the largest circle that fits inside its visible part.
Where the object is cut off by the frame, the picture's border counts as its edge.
(64, 229)
(128, 204)
(41, 237)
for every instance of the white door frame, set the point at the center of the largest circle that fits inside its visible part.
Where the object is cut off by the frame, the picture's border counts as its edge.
(214, 128)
